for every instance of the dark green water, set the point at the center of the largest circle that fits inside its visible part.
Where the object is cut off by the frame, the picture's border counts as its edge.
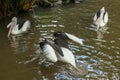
(101, 51)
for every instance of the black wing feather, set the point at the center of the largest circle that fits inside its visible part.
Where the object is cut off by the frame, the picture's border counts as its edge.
(20, 22)
(55, 47)
(104, 14)
(61, 42)
(98, 14)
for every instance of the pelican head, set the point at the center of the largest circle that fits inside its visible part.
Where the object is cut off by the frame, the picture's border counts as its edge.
(11, 25)
(14, 19)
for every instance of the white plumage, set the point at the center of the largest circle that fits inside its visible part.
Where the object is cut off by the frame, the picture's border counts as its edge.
(49, 53)
(68, 57)
(74, 38)
(26, 26)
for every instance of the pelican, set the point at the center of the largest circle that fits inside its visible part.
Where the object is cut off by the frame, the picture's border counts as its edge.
(16, 28)
(58, 49)
(101, 18)
(66, 36)
(55, 52)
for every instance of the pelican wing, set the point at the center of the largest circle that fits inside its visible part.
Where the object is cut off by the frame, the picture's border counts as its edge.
(61, 42)
(55, 47)
(97, 15)
(105, 18)
(26, 25)
(49, 53)
(74, 38)
(68, 57)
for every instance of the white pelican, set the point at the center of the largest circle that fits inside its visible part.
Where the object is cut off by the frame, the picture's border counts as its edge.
(101, 18)
(58, 50)
(67, 36)
(55, 52)
(18, 28)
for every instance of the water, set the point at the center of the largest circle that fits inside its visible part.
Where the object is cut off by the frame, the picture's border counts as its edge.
(101, 50)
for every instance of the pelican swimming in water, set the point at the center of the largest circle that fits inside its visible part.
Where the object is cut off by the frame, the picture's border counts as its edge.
(55, 52)
(16, 28)
(58, 50)
(101, 18)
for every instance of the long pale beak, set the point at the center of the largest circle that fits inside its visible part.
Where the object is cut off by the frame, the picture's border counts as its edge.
(9, 25)
(10, 30)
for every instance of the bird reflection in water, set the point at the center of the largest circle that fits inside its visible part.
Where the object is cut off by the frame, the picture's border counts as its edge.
(18, 45)
(14, 41)
(100, 34)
